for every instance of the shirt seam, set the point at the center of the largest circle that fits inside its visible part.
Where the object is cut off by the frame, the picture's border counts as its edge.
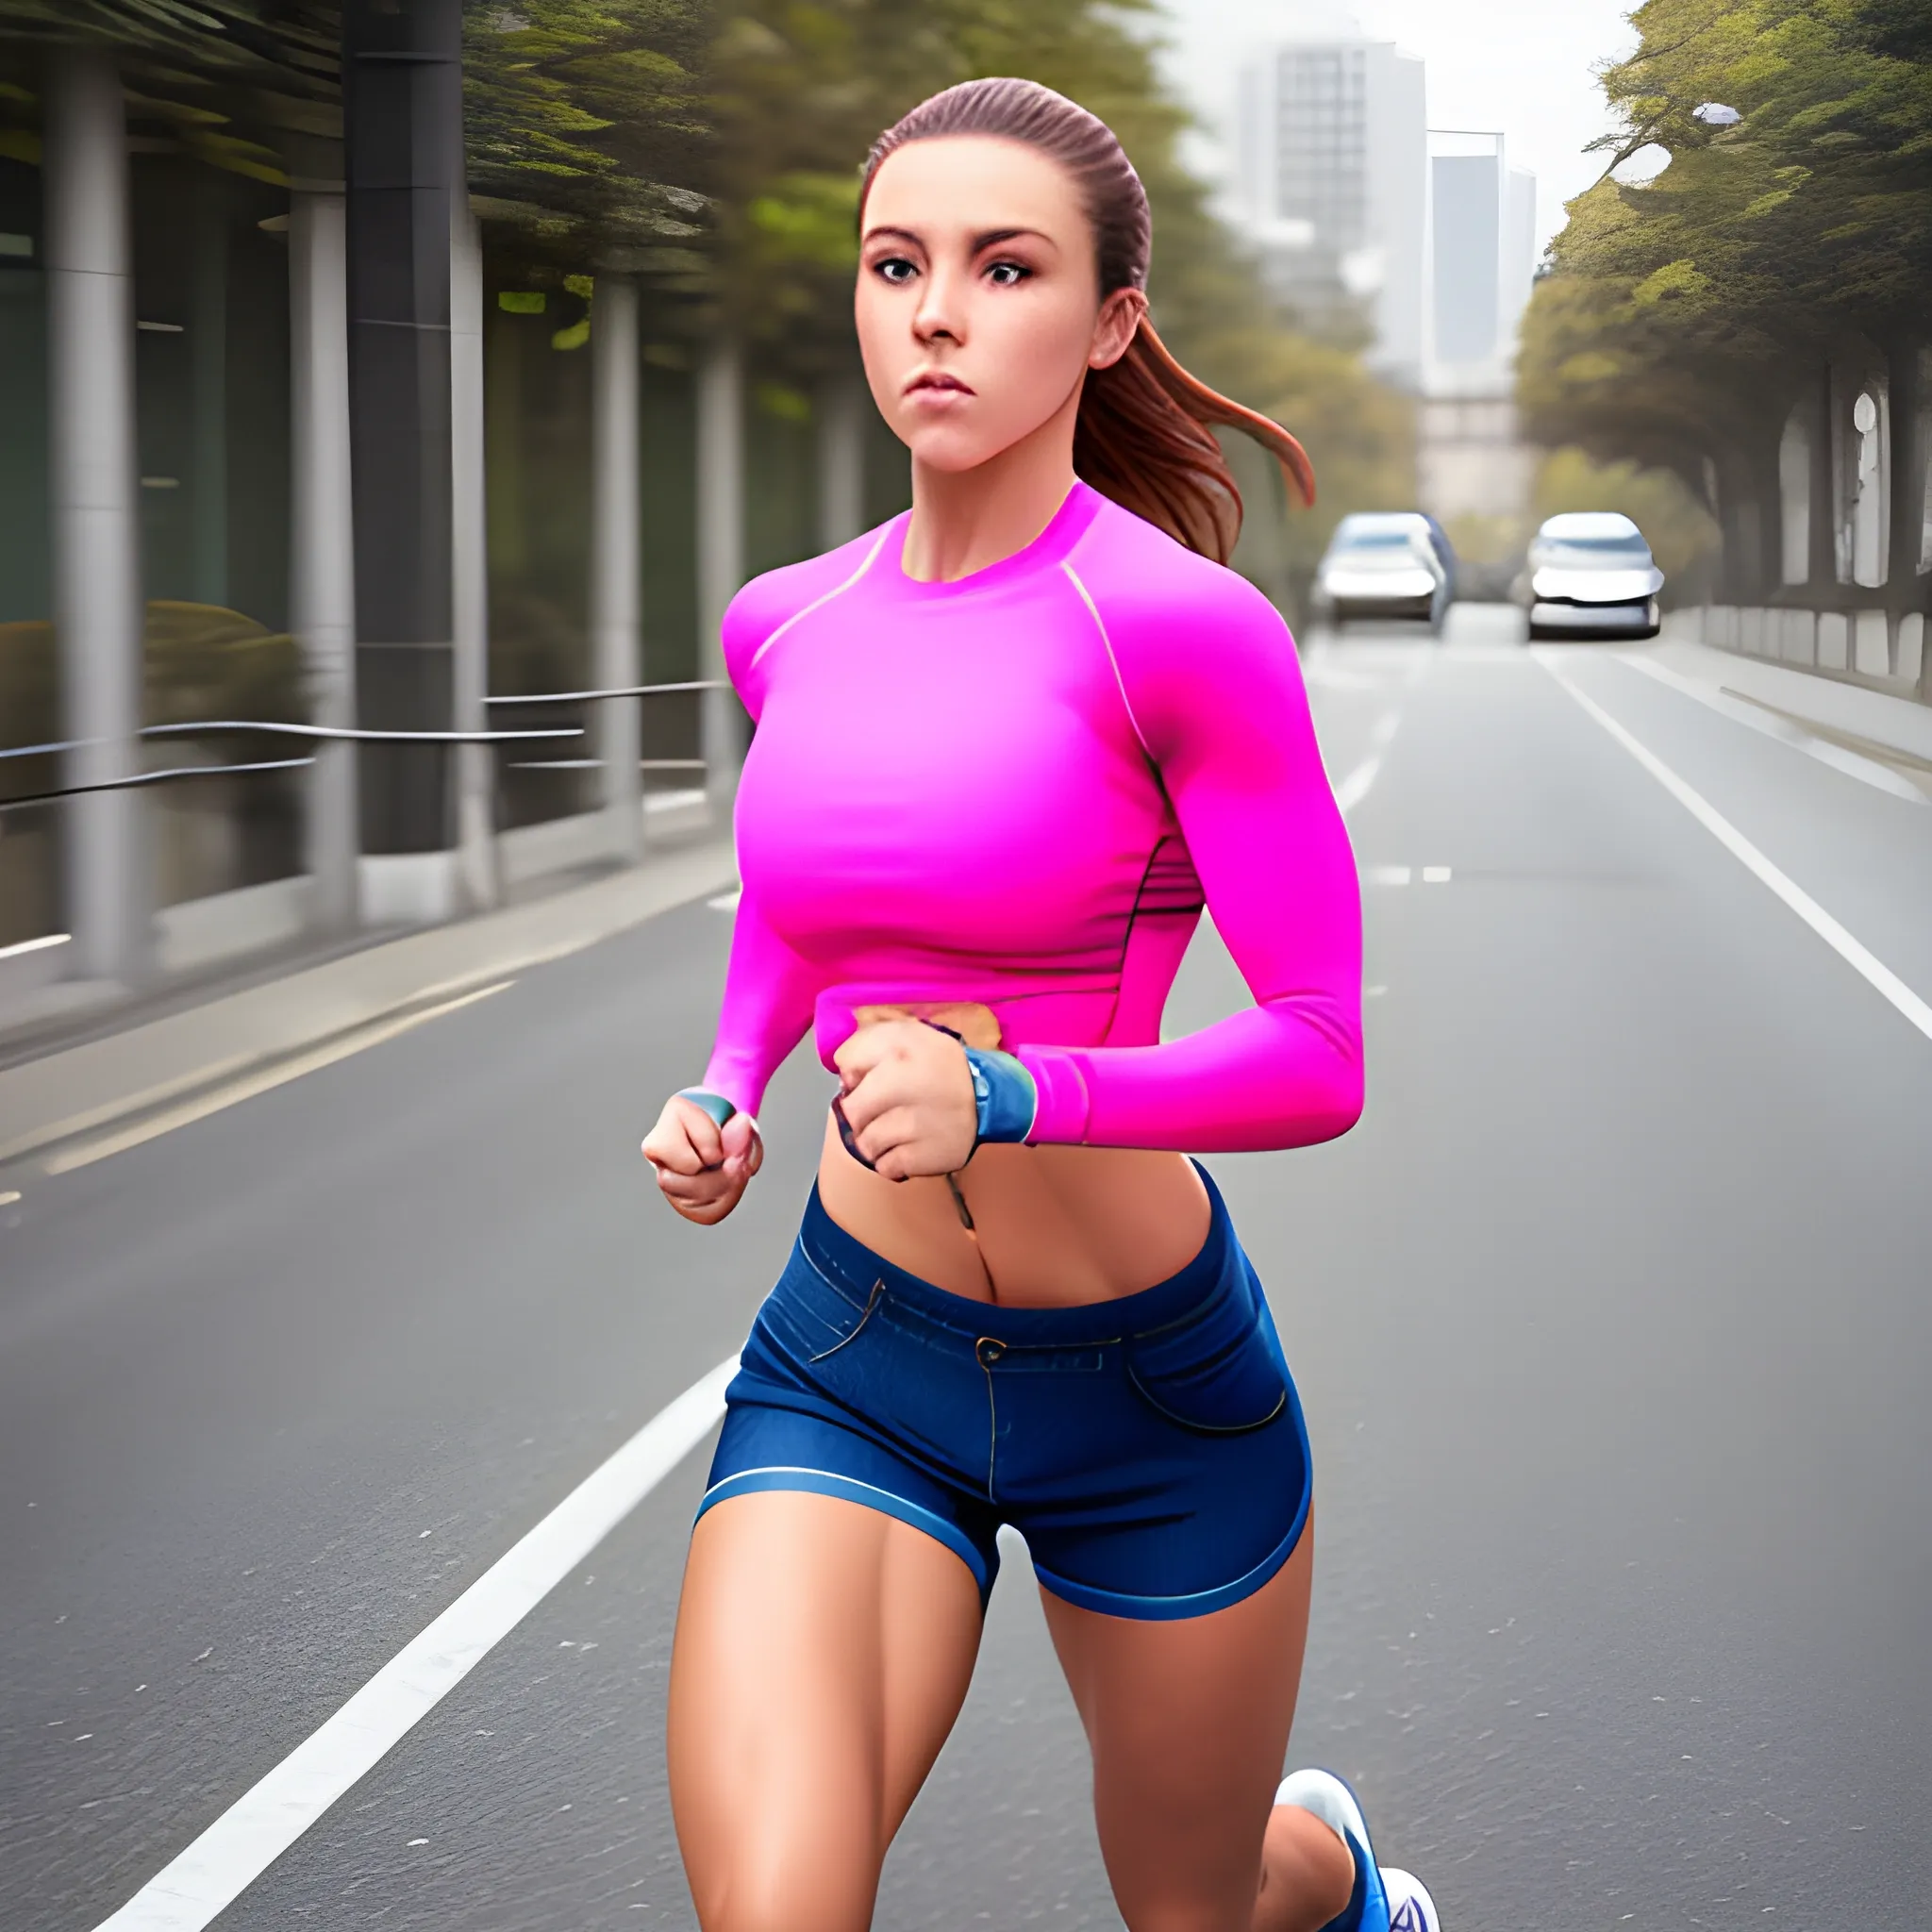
(823, 599)
(1113, 661)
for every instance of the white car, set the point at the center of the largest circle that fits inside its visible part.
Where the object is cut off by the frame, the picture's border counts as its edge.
(1382, 564)
(1591, 575)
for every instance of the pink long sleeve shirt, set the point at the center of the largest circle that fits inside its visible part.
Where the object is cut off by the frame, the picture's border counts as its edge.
(1019, 789)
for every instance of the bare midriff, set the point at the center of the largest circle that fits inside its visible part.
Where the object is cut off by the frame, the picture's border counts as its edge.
(1052, 1227)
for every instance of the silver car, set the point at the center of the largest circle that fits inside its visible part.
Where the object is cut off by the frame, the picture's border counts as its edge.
(1591, 575)
(1382, 564)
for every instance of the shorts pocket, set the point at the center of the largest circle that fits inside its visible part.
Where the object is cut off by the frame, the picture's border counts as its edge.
(1215, 1370)
(810, 1317)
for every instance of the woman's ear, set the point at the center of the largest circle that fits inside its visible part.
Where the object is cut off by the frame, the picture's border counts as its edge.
(1113, 327)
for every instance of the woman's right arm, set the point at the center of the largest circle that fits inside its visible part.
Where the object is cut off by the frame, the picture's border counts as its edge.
(704, 1165)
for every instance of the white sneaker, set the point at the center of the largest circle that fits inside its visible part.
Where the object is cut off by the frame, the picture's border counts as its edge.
(1383, 1900)
(1411, 1908)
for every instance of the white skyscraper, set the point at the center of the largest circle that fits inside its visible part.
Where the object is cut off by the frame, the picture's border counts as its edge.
(1329, 185)
(1481, 257)
(1470, 461)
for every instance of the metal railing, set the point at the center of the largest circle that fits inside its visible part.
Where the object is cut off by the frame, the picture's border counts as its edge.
(353, 733)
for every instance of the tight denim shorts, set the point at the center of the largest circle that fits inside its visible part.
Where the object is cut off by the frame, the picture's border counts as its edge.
(1151, 1450)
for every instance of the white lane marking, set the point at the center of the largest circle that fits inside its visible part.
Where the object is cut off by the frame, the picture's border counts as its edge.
(263, 1823)
(725, 902)
(198, 1109)
(10, 1197)
(38, 945)
(1866, 771)
(1437, 874)
(1386, 727)
(1390, 874)
(1355, 788)
(1858, 956)
(1327, 676)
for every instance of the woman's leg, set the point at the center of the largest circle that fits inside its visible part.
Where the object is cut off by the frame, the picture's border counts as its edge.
(1188, 1722)
(822, 1653)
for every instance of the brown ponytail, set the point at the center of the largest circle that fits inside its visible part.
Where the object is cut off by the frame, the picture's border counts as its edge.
(1143, 437)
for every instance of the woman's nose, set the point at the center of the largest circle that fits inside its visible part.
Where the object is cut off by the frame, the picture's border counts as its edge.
(937, 318)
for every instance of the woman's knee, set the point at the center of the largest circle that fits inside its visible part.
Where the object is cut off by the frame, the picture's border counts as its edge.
(807, 1896)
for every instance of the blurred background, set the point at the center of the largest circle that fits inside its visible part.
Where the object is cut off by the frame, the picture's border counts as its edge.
(393, 395)
(386, 443)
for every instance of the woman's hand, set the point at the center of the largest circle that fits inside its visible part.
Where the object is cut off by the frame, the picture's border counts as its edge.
(908, 1097)
(702, 1168)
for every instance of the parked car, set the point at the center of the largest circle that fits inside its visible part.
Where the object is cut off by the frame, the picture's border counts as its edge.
(1590, 573)
(1386, 563)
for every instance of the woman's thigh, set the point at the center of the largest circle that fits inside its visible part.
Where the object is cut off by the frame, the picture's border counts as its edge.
(822, 1653)
(1188, 1722)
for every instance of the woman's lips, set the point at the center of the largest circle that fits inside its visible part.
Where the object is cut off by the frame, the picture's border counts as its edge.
(934, 384)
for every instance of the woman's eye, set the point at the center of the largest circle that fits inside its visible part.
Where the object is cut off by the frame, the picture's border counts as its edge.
(1006, 275)
(895, 268)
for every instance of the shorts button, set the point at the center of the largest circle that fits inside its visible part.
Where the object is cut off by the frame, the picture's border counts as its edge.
(988, 1350)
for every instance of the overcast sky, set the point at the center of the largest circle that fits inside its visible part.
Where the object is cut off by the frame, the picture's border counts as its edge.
(1522, 66)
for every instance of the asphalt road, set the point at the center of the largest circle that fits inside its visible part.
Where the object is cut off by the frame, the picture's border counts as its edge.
(1611, 1320)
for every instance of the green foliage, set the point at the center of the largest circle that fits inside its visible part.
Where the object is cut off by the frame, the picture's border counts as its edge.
(1678, 312)
(587, 128)
(223, 78)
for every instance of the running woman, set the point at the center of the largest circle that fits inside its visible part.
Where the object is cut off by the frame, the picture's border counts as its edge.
(1008, 746)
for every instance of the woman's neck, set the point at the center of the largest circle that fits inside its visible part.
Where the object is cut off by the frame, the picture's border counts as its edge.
(968, 520)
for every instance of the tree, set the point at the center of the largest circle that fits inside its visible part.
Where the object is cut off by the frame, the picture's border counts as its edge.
(589, 135)
(1680, 318)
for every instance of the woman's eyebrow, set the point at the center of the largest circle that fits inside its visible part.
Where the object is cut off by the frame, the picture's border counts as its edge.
(993, 237)
(899, 234)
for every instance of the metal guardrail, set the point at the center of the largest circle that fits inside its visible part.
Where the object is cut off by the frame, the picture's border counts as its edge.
(321, 733)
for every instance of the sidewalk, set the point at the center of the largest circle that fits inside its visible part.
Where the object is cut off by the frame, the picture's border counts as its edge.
(1851, 725)
(81, 1088)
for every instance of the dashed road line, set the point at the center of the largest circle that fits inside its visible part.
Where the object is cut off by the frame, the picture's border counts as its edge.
(1355, 786)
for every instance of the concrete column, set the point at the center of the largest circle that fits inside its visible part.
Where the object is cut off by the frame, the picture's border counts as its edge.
(322, 545)
(401, 124)
(721, 552)
(1823, 572)
(1907, 481)
(616, 638)
(208, 342)
(842, 402)
(98, 608)
(469, 558)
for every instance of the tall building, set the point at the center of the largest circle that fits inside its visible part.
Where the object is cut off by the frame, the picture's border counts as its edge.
(1480, 258)
(1329, 185)
(1472, 470)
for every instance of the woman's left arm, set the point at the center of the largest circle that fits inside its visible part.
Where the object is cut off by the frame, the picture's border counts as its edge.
(1216, 697)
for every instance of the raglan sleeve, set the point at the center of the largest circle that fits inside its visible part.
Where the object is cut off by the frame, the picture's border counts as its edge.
(771, 989)
(1215, 690)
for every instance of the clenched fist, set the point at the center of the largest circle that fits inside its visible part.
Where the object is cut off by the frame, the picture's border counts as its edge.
(908, 1097)
(702, 1169)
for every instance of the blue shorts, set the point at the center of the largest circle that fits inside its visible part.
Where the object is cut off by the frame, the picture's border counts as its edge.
(1151, 1450)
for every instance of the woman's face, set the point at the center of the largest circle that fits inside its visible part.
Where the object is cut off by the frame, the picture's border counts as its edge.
(978, 305)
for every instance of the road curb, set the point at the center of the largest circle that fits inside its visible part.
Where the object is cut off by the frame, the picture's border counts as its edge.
(83, 1087)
